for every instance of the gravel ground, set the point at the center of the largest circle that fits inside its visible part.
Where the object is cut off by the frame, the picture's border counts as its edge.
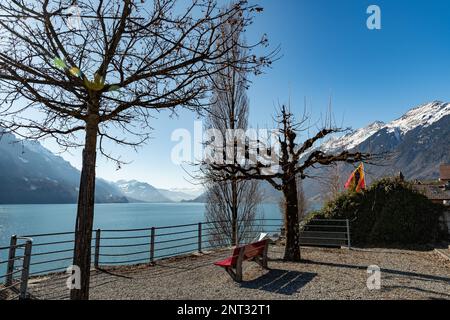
(323, 274)
(445, 253)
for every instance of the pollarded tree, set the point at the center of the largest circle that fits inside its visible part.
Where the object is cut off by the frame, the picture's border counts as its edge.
(282, 166)
(104, 74)
(301, 200)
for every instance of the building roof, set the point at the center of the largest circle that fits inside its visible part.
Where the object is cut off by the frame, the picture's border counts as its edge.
(433, 192)
(444, 172)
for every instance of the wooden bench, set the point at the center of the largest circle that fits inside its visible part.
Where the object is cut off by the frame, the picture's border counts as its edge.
(256, 251)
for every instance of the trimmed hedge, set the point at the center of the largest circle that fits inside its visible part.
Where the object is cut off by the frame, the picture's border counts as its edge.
(390, 212)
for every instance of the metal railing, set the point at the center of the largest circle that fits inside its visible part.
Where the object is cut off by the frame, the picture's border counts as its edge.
(16, 277)
(53, 252)
(125, 246)
(325, 232)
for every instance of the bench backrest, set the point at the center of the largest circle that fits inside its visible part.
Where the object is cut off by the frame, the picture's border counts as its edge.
(235, 256)
(250, 251)
(254, 249)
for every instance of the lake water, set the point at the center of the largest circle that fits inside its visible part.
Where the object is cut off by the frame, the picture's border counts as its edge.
(38, 219)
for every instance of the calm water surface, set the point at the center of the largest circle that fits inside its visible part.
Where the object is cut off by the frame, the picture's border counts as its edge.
(37, 219)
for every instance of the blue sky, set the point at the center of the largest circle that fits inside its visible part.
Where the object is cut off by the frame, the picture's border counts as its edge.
(327, 52)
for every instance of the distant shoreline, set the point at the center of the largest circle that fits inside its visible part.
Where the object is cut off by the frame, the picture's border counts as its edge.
(97, 203)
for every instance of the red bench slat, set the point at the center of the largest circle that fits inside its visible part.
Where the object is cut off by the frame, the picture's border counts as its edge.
(250, 251)
(254, 249)
(230, 261)
(224, 263)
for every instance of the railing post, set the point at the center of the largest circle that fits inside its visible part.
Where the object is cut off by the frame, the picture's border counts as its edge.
(200, 237)
(348, 233)
(152, 245)
(25, 270)
(11, 259)
(97, 248)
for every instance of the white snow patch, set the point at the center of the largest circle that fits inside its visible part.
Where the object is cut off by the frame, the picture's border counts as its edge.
(353, 139)
(23, 160)
(424, 115)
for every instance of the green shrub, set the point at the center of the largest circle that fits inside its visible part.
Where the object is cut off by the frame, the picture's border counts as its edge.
(389, 212)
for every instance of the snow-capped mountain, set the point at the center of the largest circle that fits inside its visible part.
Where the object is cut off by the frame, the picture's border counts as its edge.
(422, 116)
(141, 191)
(190, 192)
(181, 194)
(415, 144)
(30, 173)
(352, 139)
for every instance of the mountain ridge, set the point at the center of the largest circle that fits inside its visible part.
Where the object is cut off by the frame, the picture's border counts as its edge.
(423, 115)
(32, 174)
(414, 144)
(418, 142)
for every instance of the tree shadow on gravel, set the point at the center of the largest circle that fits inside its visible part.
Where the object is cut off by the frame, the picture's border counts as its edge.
(421, 290)
(280, 281)
(422, 276)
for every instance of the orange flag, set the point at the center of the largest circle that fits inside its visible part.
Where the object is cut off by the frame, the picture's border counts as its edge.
(356, 181)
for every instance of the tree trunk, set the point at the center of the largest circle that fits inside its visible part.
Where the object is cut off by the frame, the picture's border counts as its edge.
(234, 213)
(292, 249)
(85, 213)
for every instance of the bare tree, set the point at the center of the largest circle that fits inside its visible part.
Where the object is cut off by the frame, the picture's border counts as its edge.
(105, 77)
(331, 182)
(293, 162)
(231, 226)
(232, 205)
